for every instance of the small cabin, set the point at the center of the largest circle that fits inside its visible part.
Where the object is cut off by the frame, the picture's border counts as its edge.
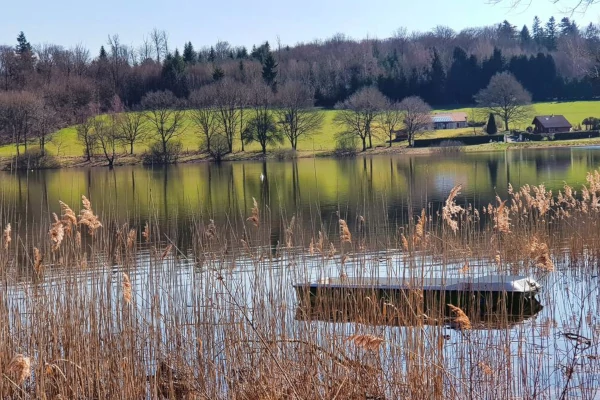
(449, 120)
(551, 124)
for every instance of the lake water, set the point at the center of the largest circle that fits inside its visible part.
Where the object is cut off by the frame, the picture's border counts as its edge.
(313, 189)
(386, 190)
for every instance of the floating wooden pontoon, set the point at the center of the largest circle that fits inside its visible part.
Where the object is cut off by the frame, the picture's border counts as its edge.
(504, 299)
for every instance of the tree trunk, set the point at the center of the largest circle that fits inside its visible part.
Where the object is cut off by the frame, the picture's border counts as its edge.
(264, 148)
(506, 123)
(364, 143)
(390, 139)
(131, 148)
(370, 142)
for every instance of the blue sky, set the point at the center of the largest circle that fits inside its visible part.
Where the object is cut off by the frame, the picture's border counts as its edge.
(242, 22)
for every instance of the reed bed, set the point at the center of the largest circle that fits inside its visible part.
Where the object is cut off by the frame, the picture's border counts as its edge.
(94, 308)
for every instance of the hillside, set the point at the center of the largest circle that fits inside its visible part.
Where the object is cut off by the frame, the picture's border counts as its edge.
(64, 142)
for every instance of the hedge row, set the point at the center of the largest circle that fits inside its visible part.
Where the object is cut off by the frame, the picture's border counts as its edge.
(535, 137)
(465, 140)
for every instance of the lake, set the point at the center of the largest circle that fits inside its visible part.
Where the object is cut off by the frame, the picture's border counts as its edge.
(209, 307)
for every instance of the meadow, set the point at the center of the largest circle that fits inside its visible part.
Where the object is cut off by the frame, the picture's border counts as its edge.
(64, 142)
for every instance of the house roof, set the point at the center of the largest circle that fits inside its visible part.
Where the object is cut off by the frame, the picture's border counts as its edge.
(449, 117)
(552, 121)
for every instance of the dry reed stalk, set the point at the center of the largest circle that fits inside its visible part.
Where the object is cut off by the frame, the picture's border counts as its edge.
(289, 233)
(451, 210)
(311, 247)
(6, 236)
(38, 267)
(211, 231)
(485, 368)
(68, 217)
(255, 218)
(87, 217)
(166, 252)
(19, 368)
(464, 269)
(460, 320)
(420, 227)
(345, 235)
(332, 250)
(126, 288)
(540, 255)
(56, 233)
(146, 233)
(131, 238)
(501, 220)
(367, 342)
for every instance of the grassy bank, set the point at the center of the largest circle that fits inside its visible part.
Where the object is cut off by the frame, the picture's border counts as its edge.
(65, 146)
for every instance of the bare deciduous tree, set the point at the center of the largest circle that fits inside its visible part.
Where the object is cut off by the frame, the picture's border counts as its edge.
(416, 116)
(261, 127)
(391, 119)
(294, 113)
(165, 116)
(18, 113)
(203, 114)
(87, 137)
(227, 101)
(160, 42)
(359, 112)
(105, 131)
(132, 127)
(506, 98)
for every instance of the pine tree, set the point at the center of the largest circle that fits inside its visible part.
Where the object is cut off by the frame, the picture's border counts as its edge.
(269, 71)
(189, 55)
(102, 55)
(212, 56)
(218, 74)
(491, 128)
(551, 33)
(437, 81)
(23, 46)
(524, 36)
(538, 31)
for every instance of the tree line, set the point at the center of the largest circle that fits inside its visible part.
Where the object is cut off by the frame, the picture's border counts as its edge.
(46, 87)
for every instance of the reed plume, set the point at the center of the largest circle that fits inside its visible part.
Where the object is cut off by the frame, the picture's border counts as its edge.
(367, 342)
(166, 252)
(6, 236)
(460, 320)
(126, 288)
(451, 210)
(146, 233)
(87, 217)
(404, 242)
(211, 230)
(289, 233)
(255, 218)
(56, 233)
(501, 220)
(38, 267)
(420, 227)
(345, 235)
(131, 237)
(19, 368)
(68, 217)
(540, 254)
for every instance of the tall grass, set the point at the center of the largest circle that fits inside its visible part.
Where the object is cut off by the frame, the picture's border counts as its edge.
(92, 308)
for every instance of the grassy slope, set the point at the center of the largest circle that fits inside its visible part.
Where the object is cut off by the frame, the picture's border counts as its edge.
(65, 141)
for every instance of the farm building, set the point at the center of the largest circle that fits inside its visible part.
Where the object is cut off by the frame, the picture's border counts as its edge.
(551, 124)
(449, 120)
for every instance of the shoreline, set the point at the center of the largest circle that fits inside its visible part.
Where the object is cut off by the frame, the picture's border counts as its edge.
(288, 155)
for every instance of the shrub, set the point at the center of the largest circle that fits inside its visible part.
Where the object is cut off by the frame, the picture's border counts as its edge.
(219, 147)
(285, 154)
(155, 154)
(345, 145)
(465, 140)
(35, 159)
(449, 147)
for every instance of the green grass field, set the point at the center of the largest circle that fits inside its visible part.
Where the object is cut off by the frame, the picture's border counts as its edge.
(64, 142)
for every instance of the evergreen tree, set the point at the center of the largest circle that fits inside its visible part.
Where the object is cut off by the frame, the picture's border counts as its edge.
(538, 31)
(551, 34)
(189, 55)
(525, 36)
(103, 55)
(568, 27)
(437, 81)
(212, 55)
(507, 31)
(241, 53)
(269, 70)
(173, 74)
(23, 46)
(218, 73)
(491, 128)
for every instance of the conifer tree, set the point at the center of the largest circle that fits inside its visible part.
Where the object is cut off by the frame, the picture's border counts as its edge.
(551, 33)
(525, 36)
(23, 46)
(538, 31)
(491, 128)
(189, 55)
(269, 70)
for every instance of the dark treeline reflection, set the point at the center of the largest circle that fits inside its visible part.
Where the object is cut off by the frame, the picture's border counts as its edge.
(386, 190)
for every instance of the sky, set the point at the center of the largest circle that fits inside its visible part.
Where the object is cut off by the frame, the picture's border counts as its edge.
(243, 22)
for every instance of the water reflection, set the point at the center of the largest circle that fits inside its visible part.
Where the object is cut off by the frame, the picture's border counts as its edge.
(313, 189)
